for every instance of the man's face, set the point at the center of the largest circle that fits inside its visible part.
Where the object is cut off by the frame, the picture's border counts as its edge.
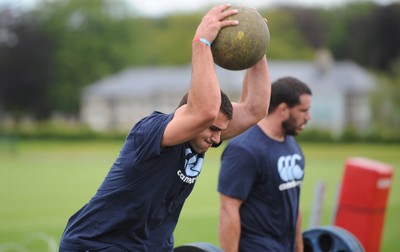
(299, 115)
(202, 142)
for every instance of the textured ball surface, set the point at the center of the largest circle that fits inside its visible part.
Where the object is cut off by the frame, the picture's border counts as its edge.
(241, 46)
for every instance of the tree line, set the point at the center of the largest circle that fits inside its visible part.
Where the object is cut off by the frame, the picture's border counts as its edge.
(50, 53)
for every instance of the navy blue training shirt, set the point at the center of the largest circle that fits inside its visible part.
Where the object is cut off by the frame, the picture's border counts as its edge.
(138, 204)
(266, 175)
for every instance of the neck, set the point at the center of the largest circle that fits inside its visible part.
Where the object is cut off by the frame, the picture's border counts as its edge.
(272, 128)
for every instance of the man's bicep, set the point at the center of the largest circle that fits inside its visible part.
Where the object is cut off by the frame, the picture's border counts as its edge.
(229, 202)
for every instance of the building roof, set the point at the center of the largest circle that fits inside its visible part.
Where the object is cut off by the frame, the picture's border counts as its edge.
(346, 76)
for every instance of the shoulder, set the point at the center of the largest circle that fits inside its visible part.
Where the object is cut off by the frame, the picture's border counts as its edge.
(150, 127)
(291, 140)
(156, 116)
(155, 119)
(251, 142)
(249, 136)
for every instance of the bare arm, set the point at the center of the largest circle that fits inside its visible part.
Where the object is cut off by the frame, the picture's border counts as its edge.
(229, 223)
(299, 234)
(204, 97)
(254, 100)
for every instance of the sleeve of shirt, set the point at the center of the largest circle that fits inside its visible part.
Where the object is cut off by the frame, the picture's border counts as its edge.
(147, 135)
(238, 172)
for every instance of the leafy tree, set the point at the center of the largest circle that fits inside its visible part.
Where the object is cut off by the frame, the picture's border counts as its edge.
(384, 40)
(286, 42)
(311, 25)
(165, 40)
(90, 40)
(64, 45)
(25, 67)
(366, 33)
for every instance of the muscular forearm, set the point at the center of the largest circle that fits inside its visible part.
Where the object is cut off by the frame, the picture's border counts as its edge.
(257, 89)
(229, 234)
(299, 234)
(229, 224)
(204, 92)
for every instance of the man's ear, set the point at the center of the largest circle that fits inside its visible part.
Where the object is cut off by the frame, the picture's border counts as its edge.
(283, 110)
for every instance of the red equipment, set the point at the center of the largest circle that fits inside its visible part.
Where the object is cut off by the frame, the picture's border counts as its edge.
(362, 200)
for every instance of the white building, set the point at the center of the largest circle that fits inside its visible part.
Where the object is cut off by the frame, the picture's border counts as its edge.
(340, 93)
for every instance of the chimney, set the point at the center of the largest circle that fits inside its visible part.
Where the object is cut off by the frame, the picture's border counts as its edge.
(323, 60)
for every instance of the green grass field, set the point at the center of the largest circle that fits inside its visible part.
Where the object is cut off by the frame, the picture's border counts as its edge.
(42, 183)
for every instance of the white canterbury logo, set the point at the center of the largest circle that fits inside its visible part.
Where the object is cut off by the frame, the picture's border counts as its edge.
(193, 163)
(192, 168)
(289, 171)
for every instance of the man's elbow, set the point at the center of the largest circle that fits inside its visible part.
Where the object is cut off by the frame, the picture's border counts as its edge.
(208, 116)
(262, 113)
(259, 112)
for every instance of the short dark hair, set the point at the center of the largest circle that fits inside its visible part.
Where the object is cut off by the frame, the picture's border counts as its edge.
(287, 90)
(226, 105)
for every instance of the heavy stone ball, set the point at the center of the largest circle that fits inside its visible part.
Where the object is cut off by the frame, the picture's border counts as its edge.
(241, 46)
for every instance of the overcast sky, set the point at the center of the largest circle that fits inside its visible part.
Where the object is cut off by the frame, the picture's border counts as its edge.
(159, 7)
